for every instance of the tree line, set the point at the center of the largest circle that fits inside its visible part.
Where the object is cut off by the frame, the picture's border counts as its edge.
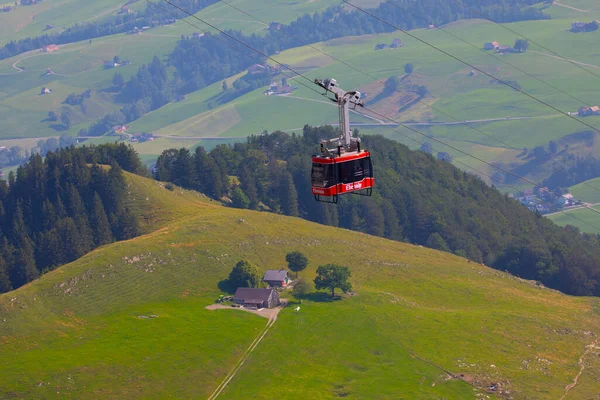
(54, 210)
(417, 199)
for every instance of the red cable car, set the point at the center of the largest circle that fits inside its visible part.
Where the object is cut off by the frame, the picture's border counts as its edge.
(346, 173)
(342, 166)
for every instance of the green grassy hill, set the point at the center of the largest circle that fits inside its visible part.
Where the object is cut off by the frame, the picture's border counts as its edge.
(423, 324)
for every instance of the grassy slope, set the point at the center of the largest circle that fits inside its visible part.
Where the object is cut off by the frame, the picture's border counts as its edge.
(30, 21)
(461, 96)
(585, 191)
(417, 312)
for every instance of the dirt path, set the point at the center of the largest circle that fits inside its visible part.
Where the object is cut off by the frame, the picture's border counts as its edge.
(272, 318)
(565, 59)
(586, 205)
(589, 348)
(556, 3)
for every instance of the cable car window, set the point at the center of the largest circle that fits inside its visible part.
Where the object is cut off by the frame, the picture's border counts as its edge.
(352, 171)
(321, 175)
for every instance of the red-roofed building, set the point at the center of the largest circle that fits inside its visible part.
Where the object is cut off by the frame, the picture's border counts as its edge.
(49, 48)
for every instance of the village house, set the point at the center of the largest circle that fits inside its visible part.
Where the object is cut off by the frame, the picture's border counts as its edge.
(396, 43)
(587, 111)
(274, 26)
(256, 298)
(276, 278)
(504, 49)
(256, 69)
(119, 128)
(125, 10)
(491, 45)
(49, 48)
(142, 137)
(197, 35)
(45, 90)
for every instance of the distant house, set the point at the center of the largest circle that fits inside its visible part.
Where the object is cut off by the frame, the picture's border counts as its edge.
(125, 10)
(45, 90)
(119, 128)
(504, 49)
(198, 35)
(443, 156)
(396, 43)
(49, 48)
(276, 278)
(110, 64)
(257, 298)
(274, 26)
(134, 31)
(491, 45)
(256, 69)
(431, 26)
(587, 111)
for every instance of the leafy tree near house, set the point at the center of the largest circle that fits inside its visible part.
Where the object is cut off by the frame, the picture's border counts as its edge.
(118, 81)
(331, 276)
(244, 274)
(296, 261)
(521, 45)
(239, 198)
(66, 120)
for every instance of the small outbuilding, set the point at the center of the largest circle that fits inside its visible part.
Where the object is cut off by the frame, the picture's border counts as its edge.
(256, 297)
(276, 278)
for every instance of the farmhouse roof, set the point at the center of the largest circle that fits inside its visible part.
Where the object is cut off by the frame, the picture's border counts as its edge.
(252, 295)
(595, 108)
(275, 275)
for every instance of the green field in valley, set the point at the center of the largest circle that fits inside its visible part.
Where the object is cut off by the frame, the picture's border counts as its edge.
(422, 324)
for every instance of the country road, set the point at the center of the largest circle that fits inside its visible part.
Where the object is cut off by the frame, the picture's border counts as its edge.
(565, 59)
(556, 3)
(585, 205)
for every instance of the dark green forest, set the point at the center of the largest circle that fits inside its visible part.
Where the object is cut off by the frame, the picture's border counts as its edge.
(417, 199)
(54, 210)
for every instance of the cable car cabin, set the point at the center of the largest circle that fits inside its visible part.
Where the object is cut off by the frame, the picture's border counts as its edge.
(346, 173)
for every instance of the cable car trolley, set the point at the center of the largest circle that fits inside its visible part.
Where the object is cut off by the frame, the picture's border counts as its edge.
(342, 167)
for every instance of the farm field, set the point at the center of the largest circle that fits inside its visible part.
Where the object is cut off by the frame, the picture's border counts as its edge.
(587, 191)
(31, 21)
(584, 219)
(133, 317)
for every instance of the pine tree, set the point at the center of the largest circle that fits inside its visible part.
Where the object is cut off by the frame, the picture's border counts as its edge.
(99, 223)
(24, 269)
(5, 285)
(288, 195)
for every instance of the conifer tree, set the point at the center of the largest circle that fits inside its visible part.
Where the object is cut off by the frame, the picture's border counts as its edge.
(5, 285)
(99, 223)
(288, 195)
(24, 270)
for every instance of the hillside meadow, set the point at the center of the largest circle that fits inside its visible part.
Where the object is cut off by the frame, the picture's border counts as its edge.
(129, 319)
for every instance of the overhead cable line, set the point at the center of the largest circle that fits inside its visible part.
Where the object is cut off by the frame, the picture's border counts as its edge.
(469, 65)
(383, 83)
(374, 112)
(575, 63)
